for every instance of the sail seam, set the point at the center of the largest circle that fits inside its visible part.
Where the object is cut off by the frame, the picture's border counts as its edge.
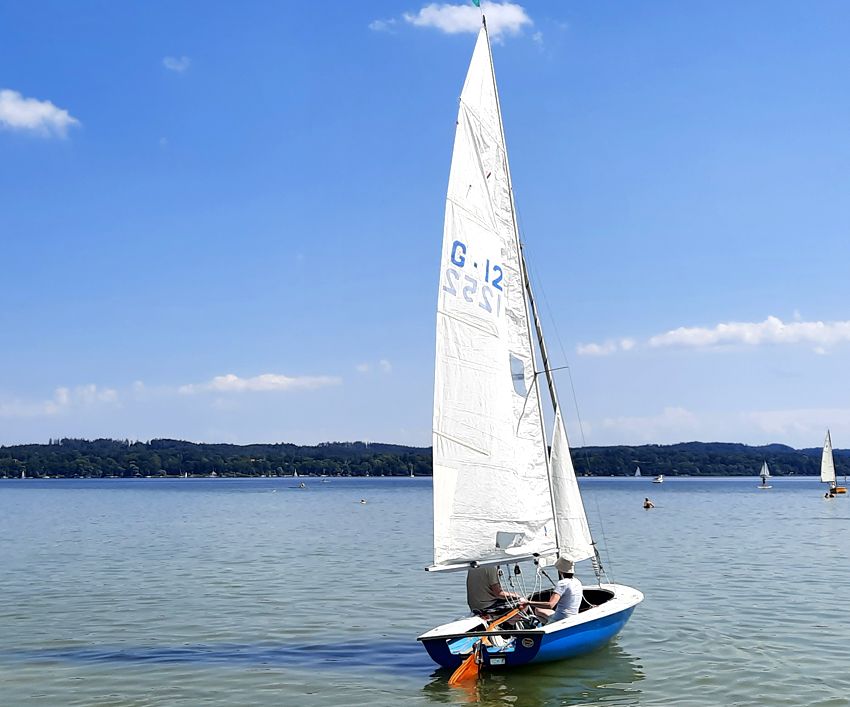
(456, 440)
(468, 322)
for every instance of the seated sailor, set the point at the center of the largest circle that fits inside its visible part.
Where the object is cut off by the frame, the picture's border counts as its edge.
(566, 596)
(484, 591)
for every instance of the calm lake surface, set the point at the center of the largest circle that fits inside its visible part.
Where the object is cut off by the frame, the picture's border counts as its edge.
(253, 592)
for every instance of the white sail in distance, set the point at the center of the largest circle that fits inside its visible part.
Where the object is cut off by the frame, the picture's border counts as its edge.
(827, 464)
(637, 471)
(492, 499)
(765, 472)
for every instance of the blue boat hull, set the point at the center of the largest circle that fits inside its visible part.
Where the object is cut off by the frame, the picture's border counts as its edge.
(534, 646)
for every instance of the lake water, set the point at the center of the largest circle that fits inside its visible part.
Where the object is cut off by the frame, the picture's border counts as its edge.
(253, 592)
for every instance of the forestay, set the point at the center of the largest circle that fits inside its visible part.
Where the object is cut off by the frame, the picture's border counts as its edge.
(492, 498)
(827, 465)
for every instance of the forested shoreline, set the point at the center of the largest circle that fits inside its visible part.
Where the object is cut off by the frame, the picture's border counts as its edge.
(77, 458)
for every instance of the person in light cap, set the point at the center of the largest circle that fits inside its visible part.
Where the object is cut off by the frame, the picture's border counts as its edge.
(565, 599)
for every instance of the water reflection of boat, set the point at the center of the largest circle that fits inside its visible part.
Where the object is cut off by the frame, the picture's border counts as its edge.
(607, 676)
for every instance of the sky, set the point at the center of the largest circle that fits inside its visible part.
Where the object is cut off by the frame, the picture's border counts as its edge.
(222, 221)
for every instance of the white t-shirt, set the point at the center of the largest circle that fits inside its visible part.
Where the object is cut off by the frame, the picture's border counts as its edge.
(570, 601)
(478, 582)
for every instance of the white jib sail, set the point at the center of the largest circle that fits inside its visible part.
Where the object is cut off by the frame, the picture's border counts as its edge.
(827, 465)
(491, 491)
(765, 472)
(574, 541)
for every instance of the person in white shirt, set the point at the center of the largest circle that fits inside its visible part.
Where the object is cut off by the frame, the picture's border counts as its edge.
(566, 596)
(484, 590)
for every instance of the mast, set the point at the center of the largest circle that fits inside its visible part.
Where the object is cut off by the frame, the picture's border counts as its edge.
(528, 299)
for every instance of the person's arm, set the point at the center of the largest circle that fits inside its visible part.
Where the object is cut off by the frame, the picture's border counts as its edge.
(553, 601)
(497, 591)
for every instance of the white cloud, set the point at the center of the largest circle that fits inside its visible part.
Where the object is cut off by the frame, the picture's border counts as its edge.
(383, 365)
(382, 25)
(63, 400)
(503, 18)
(674, 423)
(30, 114)
(231, 383)
(820, 335)
(605, 348)
(771, 331)
(804, 427)
(178, 64)
(802, 424)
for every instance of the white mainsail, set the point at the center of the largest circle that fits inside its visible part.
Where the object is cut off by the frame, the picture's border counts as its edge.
(765, 472)
(827, 465)
(492, 496)
(637, 471)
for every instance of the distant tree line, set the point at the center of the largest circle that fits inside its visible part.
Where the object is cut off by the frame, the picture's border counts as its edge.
(72, 458)
(703, 459)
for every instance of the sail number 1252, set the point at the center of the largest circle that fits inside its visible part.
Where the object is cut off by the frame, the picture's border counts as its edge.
(463, 281)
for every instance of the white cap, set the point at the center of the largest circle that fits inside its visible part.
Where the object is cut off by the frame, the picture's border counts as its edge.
(564, 565)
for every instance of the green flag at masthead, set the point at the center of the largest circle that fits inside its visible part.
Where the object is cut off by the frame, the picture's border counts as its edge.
(477, 3)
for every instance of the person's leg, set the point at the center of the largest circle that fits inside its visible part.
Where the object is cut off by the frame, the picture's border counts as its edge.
(543, 614)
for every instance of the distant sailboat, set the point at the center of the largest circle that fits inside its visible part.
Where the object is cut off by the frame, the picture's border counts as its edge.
(765, 475)
(658, 479)
(637, 471)
(827, 467)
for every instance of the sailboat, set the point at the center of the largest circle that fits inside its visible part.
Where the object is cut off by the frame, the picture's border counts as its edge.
(501, 497)
(637, 471)
(765, 475)
(827, 467)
